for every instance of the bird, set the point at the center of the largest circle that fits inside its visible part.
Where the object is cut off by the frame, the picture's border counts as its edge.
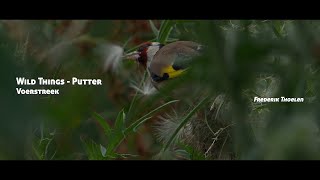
(166, 61)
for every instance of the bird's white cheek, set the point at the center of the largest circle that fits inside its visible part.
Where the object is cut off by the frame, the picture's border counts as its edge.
(151, 52)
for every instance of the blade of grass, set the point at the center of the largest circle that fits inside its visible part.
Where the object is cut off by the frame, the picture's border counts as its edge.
(92, 149)
(36, 153)
(165, 30)
(275, 30)
(127, 41)
(153, 28)
(116, 136)
(170, 40)
(119, 124)
(141, 122)
(102, 122)
(136, 47)
(138, 122)
(135, 96)
(115, 141)
(184, 122)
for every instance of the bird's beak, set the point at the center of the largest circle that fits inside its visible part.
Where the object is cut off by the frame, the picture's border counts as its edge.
(132, 56)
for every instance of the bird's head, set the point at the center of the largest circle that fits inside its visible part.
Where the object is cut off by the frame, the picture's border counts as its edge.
(145, 53)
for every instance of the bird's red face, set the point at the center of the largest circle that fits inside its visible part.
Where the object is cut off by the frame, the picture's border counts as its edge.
(145, 53)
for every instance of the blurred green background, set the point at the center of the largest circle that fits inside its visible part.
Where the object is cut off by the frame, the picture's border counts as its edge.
(126, 119)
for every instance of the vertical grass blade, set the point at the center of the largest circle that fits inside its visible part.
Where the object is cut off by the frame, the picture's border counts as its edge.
(165, 30)
(154, 28)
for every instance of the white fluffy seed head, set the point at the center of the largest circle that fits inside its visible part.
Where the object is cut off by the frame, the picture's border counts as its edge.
(112, 55)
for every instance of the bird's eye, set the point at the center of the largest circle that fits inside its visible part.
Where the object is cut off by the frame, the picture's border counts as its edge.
(140, 48)
(144, 46)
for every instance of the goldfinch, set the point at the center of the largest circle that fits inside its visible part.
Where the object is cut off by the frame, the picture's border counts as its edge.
(165, 62)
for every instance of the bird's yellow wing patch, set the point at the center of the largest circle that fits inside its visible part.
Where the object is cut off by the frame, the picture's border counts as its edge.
(172, 72)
